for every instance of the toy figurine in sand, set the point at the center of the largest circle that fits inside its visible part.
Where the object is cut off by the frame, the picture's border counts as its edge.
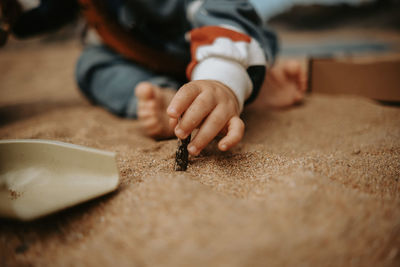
(202, 61)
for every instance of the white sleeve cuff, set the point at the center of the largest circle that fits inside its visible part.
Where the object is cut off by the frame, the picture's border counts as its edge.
(228, 72)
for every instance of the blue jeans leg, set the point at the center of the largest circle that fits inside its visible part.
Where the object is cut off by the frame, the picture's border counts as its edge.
(108, 79)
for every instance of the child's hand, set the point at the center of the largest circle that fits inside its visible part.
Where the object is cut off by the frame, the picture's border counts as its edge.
(210, 106)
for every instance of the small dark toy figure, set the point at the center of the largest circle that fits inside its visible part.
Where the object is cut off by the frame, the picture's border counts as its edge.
(182, 154)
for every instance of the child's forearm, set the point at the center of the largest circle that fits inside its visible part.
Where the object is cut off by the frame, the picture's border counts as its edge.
(227, 56)
(232, 31)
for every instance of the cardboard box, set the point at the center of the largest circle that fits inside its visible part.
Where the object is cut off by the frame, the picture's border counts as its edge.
(376, 78)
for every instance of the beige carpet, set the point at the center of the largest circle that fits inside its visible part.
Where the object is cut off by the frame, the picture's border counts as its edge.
(316, 185)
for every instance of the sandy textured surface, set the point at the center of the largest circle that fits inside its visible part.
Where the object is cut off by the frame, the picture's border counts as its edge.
(316, 185)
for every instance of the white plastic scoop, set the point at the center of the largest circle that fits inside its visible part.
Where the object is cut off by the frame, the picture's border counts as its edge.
(38, 177)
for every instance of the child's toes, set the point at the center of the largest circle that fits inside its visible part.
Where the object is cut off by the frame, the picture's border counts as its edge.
(292, 68)
(155, 131)
(144, 113)
(152, 102)
(144, 91)
(303, 83)
(151, 125)
(146, 109)
(298, 96)
(296, 74)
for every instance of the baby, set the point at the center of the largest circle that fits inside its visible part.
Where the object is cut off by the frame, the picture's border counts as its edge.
(177, 65)
(226, 52)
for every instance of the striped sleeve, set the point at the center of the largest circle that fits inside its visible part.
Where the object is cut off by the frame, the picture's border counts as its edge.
(229, 43)
(229, 56)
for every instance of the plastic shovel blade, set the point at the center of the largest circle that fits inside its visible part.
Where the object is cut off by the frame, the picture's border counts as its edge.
(38, 177)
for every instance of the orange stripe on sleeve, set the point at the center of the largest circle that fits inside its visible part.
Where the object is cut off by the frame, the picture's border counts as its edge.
(206, 36)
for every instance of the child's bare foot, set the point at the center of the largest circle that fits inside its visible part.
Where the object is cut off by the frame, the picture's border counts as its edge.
(152, 105)
(285, 85)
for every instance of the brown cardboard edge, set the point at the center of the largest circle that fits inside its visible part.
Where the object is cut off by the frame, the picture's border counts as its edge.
(311, 65)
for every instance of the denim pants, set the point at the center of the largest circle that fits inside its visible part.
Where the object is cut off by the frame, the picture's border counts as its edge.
(109, 80)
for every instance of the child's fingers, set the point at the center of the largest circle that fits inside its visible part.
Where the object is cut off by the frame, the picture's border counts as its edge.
(195, 114)
(209, 129)
(172, 123)
(234, 135)
(182, 100)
